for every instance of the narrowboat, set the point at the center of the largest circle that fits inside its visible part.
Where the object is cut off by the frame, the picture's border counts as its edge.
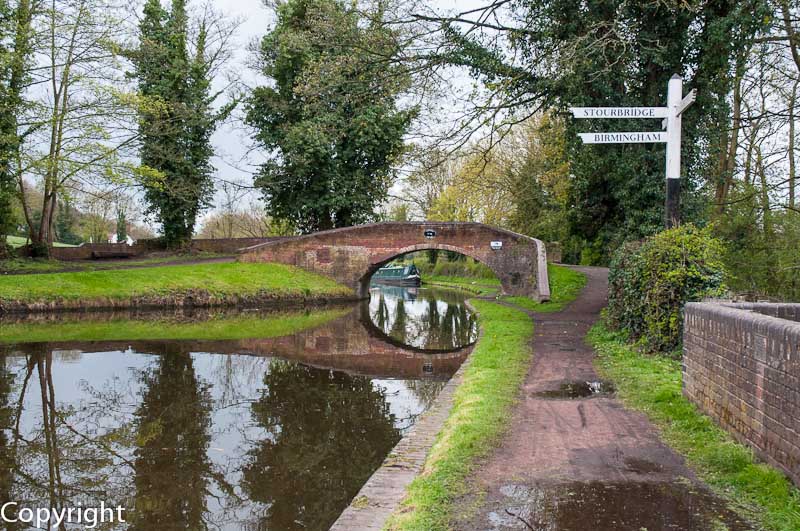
(407, 275)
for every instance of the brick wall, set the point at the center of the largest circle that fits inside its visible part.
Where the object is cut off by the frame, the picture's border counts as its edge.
(741, 366)
(84, 251)
(212, 245)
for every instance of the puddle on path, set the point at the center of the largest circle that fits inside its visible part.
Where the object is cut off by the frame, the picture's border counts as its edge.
(580, 389)
(619, 506)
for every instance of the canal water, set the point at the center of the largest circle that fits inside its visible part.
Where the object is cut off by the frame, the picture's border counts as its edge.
(220, 420)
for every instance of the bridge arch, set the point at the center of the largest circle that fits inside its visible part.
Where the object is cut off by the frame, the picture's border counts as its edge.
(364, 281)
(351, 255)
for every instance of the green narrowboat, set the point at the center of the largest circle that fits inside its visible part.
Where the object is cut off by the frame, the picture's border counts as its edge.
(407, 275)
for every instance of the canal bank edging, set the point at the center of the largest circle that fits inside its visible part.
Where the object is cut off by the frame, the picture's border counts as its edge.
(192, 299)
(383, 492)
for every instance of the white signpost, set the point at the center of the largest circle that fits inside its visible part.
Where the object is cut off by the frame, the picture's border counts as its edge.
(622, 138)
(671, 114)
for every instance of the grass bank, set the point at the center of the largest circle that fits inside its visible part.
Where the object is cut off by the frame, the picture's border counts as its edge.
(652, 384)
(206, 284)
(252, 326)
(480, 414)
(477, 286)
(482, 403)
(565, 285)
(18, 241)
(41, 265)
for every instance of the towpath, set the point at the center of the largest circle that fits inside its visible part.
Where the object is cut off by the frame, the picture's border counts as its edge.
(574, 457)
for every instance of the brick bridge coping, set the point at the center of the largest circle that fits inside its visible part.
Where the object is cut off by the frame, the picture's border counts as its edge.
(351, 255)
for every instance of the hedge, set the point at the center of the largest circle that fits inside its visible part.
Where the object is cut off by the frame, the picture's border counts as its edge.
(650, 282)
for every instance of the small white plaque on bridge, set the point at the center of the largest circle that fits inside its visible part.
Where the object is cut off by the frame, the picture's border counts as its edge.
(496, 245)
(624, 138)
(619, 112)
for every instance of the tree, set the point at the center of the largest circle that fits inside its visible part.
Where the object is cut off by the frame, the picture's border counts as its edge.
(122, 226)
(16, 47)
(535, 55)
(78, 128)
(178, 118)
(66, 223)
(330, 118)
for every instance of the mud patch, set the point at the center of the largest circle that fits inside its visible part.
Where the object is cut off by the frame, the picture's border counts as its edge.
(573, 390)
(618, 506)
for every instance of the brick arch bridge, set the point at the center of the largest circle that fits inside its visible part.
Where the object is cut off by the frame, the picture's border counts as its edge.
(351, 255)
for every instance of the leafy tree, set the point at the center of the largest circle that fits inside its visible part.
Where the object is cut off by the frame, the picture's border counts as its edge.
(177, 118)
(16, 47)
(559, 53)
(74, 136)
(330, 116)
(122, 226)
(66, 224)
(541, 180)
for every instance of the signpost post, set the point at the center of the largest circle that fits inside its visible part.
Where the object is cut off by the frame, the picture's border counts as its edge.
(671, 114)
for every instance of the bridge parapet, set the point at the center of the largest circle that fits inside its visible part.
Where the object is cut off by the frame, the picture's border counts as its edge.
(351, 255)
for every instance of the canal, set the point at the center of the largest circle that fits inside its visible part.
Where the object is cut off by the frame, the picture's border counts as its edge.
(222, 420)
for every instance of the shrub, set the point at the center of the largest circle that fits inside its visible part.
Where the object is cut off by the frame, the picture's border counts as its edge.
(651, 281)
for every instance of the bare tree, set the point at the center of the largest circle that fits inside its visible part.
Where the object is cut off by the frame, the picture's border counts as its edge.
(82, 123)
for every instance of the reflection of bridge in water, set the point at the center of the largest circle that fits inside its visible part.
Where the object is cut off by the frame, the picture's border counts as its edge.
(354, 344)
(351, 343)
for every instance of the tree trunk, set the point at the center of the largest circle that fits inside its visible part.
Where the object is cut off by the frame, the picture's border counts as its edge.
(792, 170)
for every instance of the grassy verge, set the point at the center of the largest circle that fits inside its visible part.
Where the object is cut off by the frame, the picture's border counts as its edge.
(565, 285)
(215, 279)
(36, 265)
(478, 286)
(222, 328)
(653, 385)
(481, 409)
(17, 241)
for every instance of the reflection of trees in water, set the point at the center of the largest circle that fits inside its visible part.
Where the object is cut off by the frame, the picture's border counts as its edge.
(6, 424)
(381, 315)
(56, 457)
(172, 470)
(328, 431)
(443, 322)
(399, 328)
(142, 440)
(426, 390)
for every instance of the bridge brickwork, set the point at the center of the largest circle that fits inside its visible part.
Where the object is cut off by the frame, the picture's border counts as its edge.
(351, 255)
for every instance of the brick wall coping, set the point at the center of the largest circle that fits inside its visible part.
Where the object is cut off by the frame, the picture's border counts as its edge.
(749, 313)
(388, 224)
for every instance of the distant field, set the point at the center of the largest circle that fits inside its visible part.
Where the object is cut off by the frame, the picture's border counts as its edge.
(17, 241)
